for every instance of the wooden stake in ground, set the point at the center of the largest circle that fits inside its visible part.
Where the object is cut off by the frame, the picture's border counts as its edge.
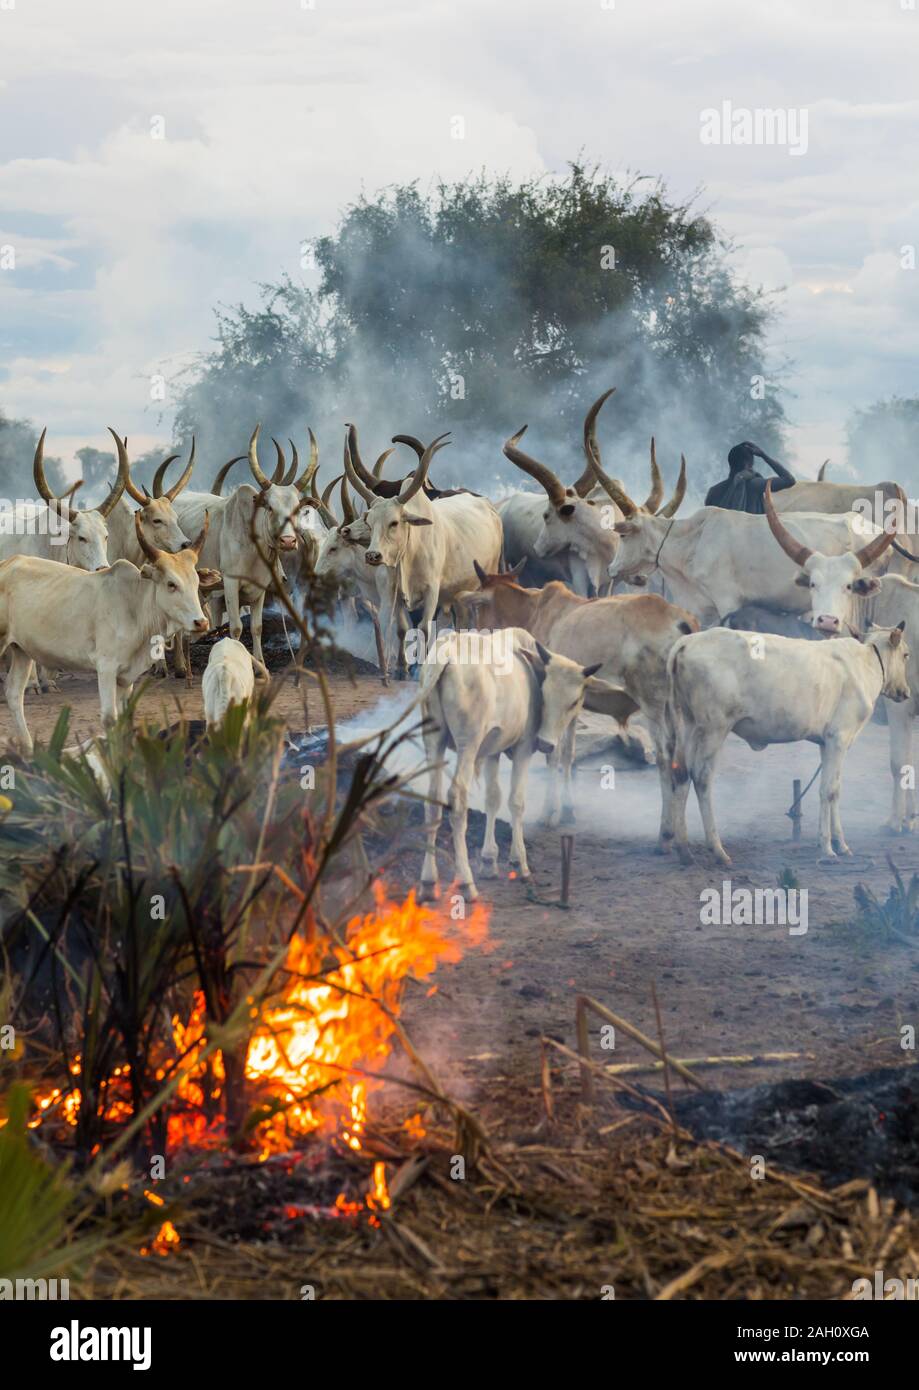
(796, 809)
(567, 856)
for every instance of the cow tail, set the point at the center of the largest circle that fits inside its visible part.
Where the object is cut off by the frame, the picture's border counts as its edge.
(673, 741)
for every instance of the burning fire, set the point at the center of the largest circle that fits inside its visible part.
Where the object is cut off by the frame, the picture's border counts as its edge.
(336, 1016)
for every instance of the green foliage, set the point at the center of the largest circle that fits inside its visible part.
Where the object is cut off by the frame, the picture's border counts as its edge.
(18, 439)
(897, 917)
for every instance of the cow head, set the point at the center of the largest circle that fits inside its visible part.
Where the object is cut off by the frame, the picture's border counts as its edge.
(893, 654)
(563, 685)
(834, 581)
(87, 532)
(278, 500)
(178, 581)
(389, 521)
(158, 519)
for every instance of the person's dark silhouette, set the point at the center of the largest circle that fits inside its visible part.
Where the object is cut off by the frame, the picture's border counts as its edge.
(742, 490)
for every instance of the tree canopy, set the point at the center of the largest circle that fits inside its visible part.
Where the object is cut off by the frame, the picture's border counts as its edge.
(480, 305)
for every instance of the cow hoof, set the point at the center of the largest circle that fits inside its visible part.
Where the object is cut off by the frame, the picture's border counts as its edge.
(687, 858)
(469, 890)
(843, 851)
(428, 892)
(489, 868)
(828, 859)
(663, 846)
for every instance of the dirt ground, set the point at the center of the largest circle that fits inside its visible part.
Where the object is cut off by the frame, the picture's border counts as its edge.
(832, 995)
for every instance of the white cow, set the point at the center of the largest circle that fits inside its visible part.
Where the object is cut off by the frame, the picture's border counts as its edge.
(103, 622)
(573, 524)
(431, 549)
(769, 689)
(229, 679)
(716, 561)
(158, 520)
(57, 531)
(249, 520)
(484, 695)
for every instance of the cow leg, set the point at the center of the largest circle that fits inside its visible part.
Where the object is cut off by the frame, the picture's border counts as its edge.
(832, 840)
(900, 725)
(108, 694)
(703, 748)
(382, 661)
(231, 599)
(17, 678)
(459, 814)
(492, 807)
(435, 743)
(567, 744)
(580, 579)
(666, 834)
(520, 766)
(256, 610)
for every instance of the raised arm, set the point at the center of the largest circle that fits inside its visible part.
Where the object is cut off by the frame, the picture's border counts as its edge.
(786, 479)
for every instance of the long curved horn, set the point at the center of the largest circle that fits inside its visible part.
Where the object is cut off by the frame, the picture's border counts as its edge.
(411, 441)
(183, 481)
(420, 474)
(367, 478)
(378, 466)
(792, 548)
(122, 478)
(38, 470)
(613, 489)
(679, 492)
(543, 475)
(218, 482)
(160, 474)
(261, 478)
(149, 550)
(587, 481)
(280, 467)
(294, 469)
(656, 495)
(308, 476)
(347, 507)
(358, 483)
(821, 476)
(326, 498)
(197, 544)
(876, 547)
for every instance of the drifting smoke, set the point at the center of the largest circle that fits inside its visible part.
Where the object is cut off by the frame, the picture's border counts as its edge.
(447, 320)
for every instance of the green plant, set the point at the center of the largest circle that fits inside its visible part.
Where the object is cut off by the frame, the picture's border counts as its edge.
(897, 916)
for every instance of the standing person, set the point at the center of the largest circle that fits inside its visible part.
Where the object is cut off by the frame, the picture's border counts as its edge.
(742, 490)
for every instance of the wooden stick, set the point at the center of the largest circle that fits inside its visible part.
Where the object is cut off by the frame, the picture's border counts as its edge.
(796, 809)
(545, 1075)
(587, 1083)
(660, 1034)
(636, 1033)
(744, 1059)
(567, 855)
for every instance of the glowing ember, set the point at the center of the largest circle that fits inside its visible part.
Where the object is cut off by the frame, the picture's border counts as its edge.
(166, 1240)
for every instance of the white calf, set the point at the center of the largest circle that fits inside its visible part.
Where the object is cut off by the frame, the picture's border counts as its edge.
(229, 679)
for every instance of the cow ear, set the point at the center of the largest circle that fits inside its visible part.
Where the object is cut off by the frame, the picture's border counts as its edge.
(419, 521)
(480, 574)
(896, 637)
(591, 670)
(865, 584)
(517, 569)
(533, 661)
(209, 579)
(625, 528)
(148, 571)
(544, 655)
(802, 580)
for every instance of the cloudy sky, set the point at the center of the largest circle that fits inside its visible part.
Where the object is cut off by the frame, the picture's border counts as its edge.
(274, 113)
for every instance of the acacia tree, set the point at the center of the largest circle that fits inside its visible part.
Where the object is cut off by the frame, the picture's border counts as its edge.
(480, 304)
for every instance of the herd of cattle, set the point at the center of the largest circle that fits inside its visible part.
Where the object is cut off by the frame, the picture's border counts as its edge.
(95, 591)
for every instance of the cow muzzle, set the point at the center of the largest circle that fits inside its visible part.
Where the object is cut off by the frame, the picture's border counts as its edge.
(287, 543)
(373, 557)
(826, 622)
(200, 625)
